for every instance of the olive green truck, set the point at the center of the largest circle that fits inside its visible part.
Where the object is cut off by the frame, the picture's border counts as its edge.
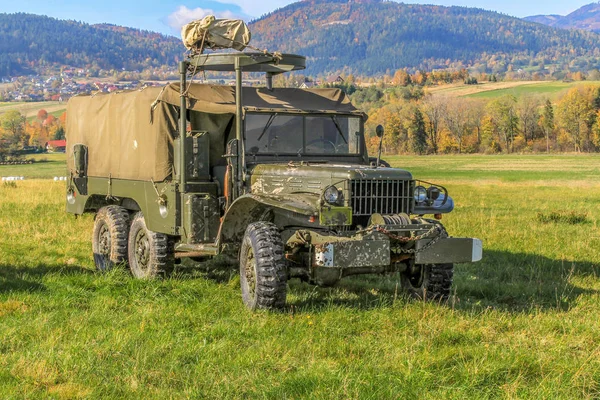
(279, 178)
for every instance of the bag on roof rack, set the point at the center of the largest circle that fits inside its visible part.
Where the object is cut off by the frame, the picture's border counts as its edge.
(213, 33)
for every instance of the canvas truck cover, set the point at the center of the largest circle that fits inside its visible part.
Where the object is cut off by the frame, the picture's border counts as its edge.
(129, 135)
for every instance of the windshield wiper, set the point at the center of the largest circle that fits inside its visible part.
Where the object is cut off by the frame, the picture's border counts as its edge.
(267, 126)
(337, 125)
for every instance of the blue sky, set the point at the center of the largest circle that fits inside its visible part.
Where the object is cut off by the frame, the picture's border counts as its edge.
(167, 15)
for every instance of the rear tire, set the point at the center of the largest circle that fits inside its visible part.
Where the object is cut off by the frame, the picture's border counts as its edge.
(109, 237)
(428, 282)
(151, 254)
(263, 268)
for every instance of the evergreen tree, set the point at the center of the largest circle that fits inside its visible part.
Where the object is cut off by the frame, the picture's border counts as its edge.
(419, 134)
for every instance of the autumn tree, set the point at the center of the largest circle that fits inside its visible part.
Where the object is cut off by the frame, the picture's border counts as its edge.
(528, 113)
(42, 115)
(504, 115)
(434, 108)
(456, 121)
(574, 112)
(12, 133)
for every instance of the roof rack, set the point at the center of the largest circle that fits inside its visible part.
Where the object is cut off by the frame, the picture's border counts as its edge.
(248, 62)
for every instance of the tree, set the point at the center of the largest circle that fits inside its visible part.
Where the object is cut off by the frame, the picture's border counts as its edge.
(434, 108)
(418, 133)
(42, 115)
(574, 113)
(456, 121)
(503, 113)
(528, 113)
(59, 134)
(12, 133)
(546, 122)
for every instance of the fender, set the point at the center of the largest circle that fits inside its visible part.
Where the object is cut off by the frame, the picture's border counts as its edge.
(251, 208)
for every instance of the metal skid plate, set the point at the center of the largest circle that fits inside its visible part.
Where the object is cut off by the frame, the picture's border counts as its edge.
(352, 254)
(449, 250)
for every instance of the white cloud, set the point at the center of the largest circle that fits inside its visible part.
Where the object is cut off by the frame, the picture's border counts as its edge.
(258, 8)
(184, 15)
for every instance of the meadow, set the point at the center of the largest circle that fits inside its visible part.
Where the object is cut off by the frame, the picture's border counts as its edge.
(523, 323)
(30, 109)
(492, 90)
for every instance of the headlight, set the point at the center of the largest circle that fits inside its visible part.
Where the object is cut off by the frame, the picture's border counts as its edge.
(433, 193)
(331, 195)
(420, 194)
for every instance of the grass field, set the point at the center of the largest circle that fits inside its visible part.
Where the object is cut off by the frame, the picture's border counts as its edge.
(487, 90)
(46, 166)
(523, 323)
(30, 109)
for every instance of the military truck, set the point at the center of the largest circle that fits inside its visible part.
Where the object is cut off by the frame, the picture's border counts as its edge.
(279, 178)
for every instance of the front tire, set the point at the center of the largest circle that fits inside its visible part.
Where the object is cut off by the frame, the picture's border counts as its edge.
(428, 282)
(263, 268)
(109, 237)
(151, 254)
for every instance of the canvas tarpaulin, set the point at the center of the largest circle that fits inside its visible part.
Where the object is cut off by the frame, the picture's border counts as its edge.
(213, 33)
(121, 141)
(127, 140)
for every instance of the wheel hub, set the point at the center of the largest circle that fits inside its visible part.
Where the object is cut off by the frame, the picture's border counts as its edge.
(142, 250)
(250, 272)
(104, 242)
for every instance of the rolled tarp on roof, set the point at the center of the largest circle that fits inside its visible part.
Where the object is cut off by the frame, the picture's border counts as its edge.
(217, 99)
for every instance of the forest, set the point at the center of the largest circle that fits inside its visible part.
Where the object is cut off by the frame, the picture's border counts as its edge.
(420, 122)
(33, 42)
(375, 37)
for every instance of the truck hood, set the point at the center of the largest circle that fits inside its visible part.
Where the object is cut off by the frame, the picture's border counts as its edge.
(280, 179)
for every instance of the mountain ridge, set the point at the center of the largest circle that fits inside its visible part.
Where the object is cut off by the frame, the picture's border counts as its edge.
(363, 37)
(372, 37)
(586, 17)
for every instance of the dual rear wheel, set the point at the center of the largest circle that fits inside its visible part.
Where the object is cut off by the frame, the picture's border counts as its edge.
(121, 239)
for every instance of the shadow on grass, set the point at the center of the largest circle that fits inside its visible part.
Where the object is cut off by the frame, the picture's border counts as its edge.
(511, 282)
(28, 279)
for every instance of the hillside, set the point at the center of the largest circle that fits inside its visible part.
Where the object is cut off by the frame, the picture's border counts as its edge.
(586, 17)
(29, 42)
(372, 36)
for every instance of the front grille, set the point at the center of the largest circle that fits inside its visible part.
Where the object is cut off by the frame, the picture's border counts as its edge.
(383, 196)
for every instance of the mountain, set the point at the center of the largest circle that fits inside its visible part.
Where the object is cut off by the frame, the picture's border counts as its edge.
(29, 42)
(363, 37)
(373, 36)
(586, 17)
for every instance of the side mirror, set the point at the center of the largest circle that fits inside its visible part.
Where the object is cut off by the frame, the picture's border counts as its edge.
(379, 133)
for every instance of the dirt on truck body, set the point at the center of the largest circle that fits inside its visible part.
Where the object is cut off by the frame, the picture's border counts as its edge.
(279, 178)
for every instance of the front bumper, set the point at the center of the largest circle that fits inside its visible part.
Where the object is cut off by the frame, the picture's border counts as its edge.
(377, 252)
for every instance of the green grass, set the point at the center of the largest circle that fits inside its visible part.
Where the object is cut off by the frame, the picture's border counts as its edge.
(47, 166)
(550, 89)
(523, 323)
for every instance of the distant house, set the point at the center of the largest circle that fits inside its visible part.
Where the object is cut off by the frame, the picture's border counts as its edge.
(308, 84)
(56, 146)
(335, 79)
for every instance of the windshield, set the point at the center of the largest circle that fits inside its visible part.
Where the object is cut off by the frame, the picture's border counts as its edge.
(278, 134)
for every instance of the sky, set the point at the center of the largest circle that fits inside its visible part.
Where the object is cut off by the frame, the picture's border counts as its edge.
(167, 16)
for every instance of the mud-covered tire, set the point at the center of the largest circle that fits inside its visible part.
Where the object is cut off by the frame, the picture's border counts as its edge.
(263, 267)
(151, 254)
(110, 237)
(429, 282)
